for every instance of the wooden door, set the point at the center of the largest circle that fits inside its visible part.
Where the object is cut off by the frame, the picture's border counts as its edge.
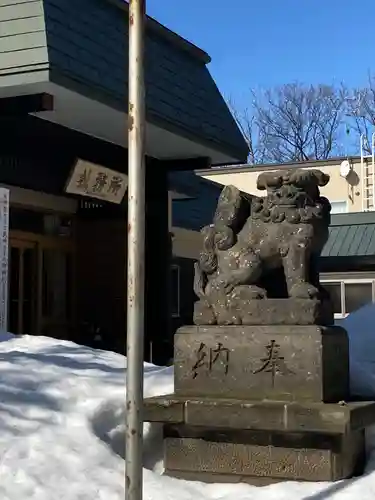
(22, 287)
(57, 292)
(42, 287)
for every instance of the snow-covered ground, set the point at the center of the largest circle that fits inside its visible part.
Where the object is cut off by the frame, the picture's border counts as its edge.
(62, 426)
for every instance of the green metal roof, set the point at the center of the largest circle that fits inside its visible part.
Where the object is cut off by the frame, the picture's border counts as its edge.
(351, 235)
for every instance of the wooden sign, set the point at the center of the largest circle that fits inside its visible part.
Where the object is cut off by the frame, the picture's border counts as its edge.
(4, 250)
(95, 181)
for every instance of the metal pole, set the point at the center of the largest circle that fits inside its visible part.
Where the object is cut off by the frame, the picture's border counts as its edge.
(136, 253)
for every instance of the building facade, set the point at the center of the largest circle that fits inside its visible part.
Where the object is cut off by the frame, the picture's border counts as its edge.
(348, 262)
(351, 188)
(63, 113)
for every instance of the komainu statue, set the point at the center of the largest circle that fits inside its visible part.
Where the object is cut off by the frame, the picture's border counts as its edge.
(260, 254)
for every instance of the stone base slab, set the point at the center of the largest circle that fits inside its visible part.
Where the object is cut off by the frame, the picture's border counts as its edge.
(291, 311)
(289, 363)
(260, 415)
(206, 477)
(253, 456)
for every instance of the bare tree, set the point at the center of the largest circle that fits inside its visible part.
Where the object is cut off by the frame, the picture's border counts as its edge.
(246, 121)
(294, 122)
(361, 110)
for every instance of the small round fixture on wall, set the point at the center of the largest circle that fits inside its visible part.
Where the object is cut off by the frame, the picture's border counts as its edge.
(345, 168)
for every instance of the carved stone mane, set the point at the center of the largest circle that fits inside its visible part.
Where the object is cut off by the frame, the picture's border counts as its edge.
(233, 209)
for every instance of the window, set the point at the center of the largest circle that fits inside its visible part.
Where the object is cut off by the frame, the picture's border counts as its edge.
(175, 291)
(339, 207)
(334, 290)
(357, 295)
(349, 295)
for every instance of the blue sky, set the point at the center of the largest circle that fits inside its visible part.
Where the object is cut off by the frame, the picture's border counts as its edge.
(262, 43)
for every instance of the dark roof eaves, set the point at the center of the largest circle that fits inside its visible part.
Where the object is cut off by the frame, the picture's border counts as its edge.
(168, 34)
(353, 219)
(235, 151)
(80, 86)
(247, 167)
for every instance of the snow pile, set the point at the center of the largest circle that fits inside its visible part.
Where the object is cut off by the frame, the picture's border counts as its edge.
(60, 404)
(62, 427)
(360, 326)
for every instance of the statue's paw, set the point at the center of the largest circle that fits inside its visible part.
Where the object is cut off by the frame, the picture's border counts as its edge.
(250, 292)
(203, 314)
(304, 291)
(229, 287)
(222, 285)
(255, 292)
(229, 318)
(217, 285)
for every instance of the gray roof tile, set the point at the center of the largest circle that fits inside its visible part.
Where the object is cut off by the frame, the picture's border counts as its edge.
(351, 235)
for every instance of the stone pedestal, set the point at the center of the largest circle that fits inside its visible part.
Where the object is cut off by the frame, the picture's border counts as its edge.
(263, 362)
(252, 456)
(261, 404)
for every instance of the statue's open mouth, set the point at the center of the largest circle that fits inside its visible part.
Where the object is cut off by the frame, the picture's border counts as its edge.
(288, 204)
